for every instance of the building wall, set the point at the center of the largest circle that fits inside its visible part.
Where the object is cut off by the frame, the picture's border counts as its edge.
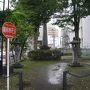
(86, 32)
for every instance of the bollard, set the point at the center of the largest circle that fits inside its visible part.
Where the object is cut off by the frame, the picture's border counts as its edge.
(20, 81)
(65, 80)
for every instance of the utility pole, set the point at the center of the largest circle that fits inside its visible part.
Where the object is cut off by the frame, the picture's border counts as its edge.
(1, 60)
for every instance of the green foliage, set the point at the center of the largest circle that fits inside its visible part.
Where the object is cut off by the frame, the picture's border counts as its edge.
(23, 28)
(86, 5)
(1, 19)
(72, 12)
(45, 55)
(3, 16)
(38, 10)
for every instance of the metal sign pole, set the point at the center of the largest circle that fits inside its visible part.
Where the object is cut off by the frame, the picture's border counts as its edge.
(7, 63)
(8, 30)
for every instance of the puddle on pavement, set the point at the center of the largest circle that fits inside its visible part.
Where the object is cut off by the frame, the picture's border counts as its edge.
(55, 73)
(48, 77)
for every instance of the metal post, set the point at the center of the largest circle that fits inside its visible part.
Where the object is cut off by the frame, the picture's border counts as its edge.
(65, 80)
(20, 81)
(7, 55)
(7, 63)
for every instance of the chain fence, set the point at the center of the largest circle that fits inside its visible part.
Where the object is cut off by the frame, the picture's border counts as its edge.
(85, 53)
(16, 81)
(78, 82)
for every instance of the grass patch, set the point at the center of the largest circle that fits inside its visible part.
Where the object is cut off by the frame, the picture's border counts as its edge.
(28, 68)
(76, 83)
(2, 83)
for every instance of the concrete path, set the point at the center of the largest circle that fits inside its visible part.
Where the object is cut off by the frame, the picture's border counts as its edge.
(49, 77)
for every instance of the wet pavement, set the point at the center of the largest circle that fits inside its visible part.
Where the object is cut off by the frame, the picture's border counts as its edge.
(48, 77)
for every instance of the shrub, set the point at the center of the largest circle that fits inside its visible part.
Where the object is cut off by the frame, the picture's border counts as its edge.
(17, 65)
(44, 47)
(45, 55)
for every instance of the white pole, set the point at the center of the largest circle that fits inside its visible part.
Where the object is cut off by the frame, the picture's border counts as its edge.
(7, 63)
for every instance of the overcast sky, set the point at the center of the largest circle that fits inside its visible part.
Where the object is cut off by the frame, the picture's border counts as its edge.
(1, 4)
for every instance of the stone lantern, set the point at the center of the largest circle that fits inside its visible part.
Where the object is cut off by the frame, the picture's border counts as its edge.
(17, 50)
(74, 44)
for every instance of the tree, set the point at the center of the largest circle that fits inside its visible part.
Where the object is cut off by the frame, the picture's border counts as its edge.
(38, 13)
(48, 8)
(31, 8)
(24, 30)
(70, 16)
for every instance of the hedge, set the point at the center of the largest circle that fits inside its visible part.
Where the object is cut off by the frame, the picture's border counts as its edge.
(45, 54)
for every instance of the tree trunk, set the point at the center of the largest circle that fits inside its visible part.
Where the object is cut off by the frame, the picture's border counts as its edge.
(76, 46)
(22, 48)
(23, 45)
(77, 38)
(76, 20)
(35, 42)
(45, 41)
(36, 38)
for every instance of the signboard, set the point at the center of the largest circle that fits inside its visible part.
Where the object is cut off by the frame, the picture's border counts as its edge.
(53, 32)
(8, 30)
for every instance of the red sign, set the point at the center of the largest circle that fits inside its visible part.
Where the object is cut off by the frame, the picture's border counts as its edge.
(8, 30)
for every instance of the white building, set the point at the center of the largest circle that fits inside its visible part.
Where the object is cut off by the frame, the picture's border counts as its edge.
(85, 32)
